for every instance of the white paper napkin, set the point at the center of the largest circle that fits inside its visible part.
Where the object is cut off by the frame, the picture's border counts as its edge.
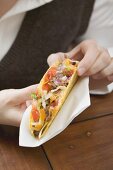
(102, 91)
(77, 101)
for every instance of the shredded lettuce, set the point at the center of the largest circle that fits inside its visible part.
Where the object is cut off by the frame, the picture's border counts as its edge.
(34, 96)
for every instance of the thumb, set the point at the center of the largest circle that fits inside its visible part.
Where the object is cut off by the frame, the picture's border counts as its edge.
(76, 53)
(22, 95)
(55, 57)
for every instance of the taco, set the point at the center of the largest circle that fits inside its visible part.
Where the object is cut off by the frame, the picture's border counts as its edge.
(50, 95)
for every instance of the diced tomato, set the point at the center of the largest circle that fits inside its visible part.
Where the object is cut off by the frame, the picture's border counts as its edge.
(35, 114)
(51, 73)
(46, 87)
(68, 72)
(46, 79)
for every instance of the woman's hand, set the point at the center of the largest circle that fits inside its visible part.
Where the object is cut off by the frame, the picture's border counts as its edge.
(95, 62)
(13, 104)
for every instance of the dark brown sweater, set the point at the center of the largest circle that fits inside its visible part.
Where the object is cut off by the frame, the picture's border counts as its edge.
(45, 30)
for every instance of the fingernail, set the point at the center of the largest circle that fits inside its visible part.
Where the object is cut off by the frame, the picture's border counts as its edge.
(81, 71)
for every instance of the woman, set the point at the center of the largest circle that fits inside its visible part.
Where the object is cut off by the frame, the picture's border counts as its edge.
(30, 32)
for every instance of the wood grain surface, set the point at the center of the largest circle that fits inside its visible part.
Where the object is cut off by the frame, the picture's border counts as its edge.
(85, 145)
(13, 157)
(100, 106)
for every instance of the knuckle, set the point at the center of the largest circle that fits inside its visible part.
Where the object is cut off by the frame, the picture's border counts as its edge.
(105, 58)
(104, 73)
(10, 99)
(9, 102)
(97, 52)
(56, 56)
(106, 51)
(86, 66)
(93, 42)
(89, 42)
(93, 70)
(59, 53)
(50, 57)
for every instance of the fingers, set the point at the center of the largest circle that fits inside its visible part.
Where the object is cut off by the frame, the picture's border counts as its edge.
(90, 51)
(76, 53)
(95, 61)
(25, 94)
(13, 104)
(19, 96)
(88, 60)
(102, 61)
(107, 72)
(13, 116)
(87, 51)
(55, 57)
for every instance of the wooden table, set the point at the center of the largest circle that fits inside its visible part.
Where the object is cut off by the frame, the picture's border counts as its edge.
(87, 144)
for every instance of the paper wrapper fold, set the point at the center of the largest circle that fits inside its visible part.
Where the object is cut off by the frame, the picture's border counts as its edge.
(77, 101)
